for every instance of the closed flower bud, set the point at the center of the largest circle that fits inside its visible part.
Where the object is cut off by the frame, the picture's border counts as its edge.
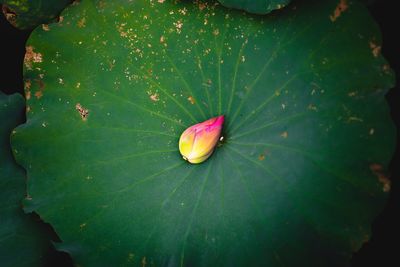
(198, 141)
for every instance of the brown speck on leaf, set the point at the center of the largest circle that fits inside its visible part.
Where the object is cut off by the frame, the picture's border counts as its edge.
(41, 84)
(201, 5)
(376, 49)
(191, 100)
(31, 57)
(154, 97)
(81, 226)
(340, 8)
(377, 169)
(84, 113)
(45, 27)
(28, 108)
(27, 87)
(101, 4)
(27, 84)
(178, 25)
(284, 134)
(312, 107)
(38, 94)
(81, 23)
(263, 155)
(28, 95)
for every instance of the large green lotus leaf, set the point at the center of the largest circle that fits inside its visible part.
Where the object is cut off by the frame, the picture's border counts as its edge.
(27, 14)
(256, 6)
(300, 174)
(22, 241)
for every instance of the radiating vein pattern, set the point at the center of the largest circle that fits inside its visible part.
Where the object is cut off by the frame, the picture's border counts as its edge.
(306, 140)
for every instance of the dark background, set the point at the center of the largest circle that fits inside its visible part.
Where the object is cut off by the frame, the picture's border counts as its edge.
(383, 249)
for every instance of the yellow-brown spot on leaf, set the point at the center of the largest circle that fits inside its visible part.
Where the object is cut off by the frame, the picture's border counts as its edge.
(84, 113)
(191, 100)
(144, 262)
(312, 107)
(375, 49)
(27, 84)
(154, 97)
(31, 57)
(81, 226)
(38, 94)
(201, 5)
(261, 157)
(27, 87)
(284, 134)
(377, 169)
(178, 25)
(45, 27)
(340, 8)
(81, 23)
(41, 84)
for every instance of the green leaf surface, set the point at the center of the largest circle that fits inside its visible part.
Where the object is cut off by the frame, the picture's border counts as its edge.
(22, 242)
(299, 177)
(27, 14)
(256, 6)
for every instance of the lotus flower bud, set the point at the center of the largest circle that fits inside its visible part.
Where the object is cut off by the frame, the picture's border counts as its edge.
(198, 141)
